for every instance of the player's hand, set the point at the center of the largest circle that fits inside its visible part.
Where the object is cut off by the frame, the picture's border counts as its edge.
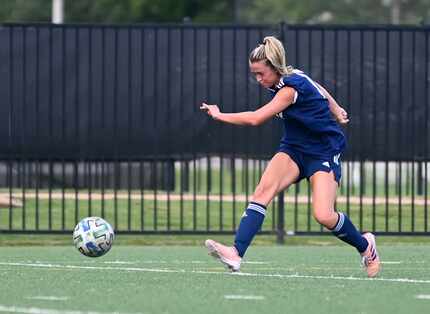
(341, 115)
(211, 110)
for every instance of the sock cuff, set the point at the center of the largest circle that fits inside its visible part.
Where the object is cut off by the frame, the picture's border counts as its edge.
(257, 207)
(340, 222)
(258, 204)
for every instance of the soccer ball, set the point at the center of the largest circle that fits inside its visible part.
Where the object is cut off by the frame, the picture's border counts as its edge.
(93, 236)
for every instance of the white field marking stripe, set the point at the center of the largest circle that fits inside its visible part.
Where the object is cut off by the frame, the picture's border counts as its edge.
(48, 298)
(280, 276)
(157, 262)
(35, 310)
(244, 297)
(119, 262)
(95, 267)
(403, 280)
(391, 262)
(423, 296)
(153, 262)
(135, 262)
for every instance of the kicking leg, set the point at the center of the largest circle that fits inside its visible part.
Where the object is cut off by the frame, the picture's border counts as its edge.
(280, 173)
(323, 198)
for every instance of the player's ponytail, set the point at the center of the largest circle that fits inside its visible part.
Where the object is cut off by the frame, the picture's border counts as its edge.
(272, 51)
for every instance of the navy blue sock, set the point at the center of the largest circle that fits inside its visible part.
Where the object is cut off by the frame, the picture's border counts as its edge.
(347, 232)
(250, 224)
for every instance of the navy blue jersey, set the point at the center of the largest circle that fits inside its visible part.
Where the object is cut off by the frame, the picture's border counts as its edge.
(308, 123)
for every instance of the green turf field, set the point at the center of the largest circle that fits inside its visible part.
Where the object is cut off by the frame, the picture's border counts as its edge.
(172, 279)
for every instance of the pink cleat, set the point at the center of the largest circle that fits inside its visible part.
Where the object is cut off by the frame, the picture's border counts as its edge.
(370, 257)
(226, 254)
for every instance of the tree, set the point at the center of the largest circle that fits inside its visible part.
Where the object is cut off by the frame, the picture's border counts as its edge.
(337, 11)
(24, 10)
(124, 11)
(222, 11)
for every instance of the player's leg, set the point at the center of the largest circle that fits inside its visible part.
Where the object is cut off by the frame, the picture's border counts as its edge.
(323, 198)
(280, 173)
(324, 188)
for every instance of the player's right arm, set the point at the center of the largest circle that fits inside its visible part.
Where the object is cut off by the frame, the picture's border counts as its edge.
(282, 99)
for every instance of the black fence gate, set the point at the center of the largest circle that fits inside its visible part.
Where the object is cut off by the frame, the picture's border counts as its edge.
(104, 120)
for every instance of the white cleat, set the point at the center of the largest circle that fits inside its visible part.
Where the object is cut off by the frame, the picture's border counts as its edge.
(226, 254)
(370, 257)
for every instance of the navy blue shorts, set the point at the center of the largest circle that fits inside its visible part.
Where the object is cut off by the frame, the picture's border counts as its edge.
(308, 165)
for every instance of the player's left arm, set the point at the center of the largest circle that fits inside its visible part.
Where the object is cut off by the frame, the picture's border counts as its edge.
(282, 100)
(338, 112)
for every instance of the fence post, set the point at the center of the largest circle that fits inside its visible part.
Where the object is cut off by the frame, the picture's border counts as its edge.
(280, 229)
(420, 181)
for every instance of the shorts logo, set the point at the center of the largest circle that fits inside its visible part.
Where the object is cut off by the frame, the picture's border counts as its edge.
(326, 163)
(336, 159)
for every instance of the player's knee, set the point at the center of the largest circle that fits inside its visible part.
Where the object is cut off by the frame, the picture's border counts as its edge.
(325, 218)
(264, 191)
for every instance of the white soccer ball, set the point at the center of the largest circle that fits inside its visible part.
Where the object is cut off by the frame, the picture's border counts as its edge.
(93, 236)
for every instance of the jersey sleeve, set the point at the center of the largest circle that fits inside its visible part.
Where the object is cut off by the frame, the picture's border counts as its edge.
(289, 81)
(306, 89)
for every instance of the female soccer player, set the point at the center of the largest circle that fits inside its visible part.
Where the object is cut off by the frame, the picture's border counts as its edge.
(310, 148)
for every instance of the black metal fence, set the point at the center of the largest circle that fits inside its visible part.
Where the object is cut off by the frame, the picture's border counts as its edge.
(104, 120)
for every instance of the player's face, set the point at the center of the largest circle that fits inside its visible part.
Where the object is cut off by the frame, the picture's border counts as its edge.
(264, 74)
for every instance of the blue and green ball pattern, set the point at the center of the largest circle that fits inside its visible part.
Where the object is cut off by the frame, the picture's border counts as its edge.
(93, 236)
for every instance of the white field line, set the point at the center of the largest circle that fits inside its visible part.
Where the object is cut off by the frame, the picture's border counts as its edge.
(118, 262)
(93, 267)
(155, 262)
(423, 296)
(48, 298)
(35, 310)
(91, 262)
(279, 276)
(244, 297)
(301, 199)
(176, 262)
(392, 262)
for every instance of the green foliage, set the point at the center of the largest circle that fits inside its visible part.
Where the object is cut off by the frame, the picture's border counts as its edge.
(337, 11)
(24, 10)
(222, 11)
(125, 11)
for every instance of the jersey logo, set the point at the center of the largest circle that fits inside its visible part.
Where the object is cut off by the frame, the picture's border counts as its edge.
(326, 163)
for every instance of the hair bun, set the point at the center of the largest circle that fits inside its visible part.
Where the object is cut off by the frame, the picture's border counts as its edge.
(267, 39)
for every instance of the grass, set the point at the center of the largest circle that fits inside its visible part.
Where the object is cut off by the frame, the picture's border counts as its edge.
(34, 239)
(169, 279)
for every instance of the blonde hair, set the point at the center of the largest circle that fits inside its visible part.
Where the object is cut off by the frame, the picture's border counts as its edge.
(272, 51)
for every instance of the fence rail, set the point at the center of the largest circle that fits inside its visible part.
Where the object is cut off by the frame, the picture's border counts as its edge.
(104, 120)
